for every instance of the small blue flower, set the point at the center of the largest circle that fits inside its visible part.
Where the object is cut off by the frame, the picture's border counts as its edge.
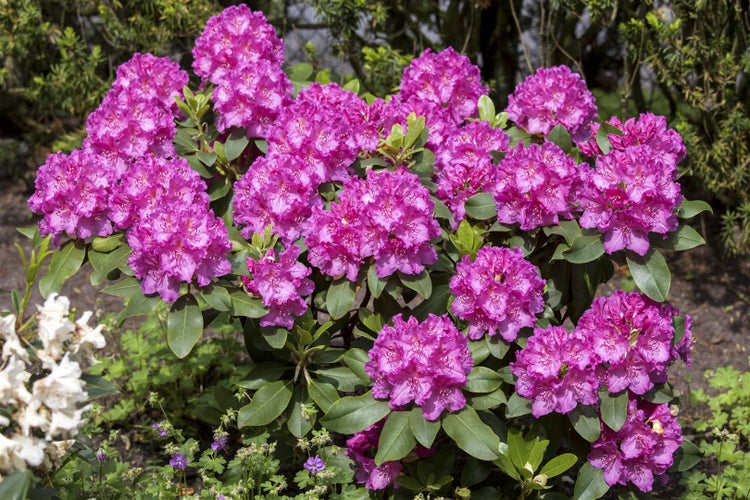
(219, 444)
(314, 465)
(178, 461)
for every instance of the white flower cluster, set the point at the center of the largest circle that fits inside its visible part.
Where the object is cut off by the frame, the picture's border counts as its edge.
(41, 388)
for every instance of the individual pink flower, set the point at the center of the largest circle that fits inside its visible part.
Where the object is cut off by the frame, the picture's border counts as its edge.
(282, 285)
(360, 448)
(553, 96)
(631, 337)
(72, 195)
(536, 186)
(641, 449)
(464, 164)
(631, 193)
(445, 79)
(498, 292)
(555, 371)
(426, 363)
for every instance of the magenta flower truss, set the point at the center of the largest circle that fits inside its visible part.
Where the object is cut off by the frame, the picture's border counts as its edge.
(324, 129)
(463, 164)
(631, 339)
(647, 129)
(388, 216)
(426, 363)
(536, 186)
(631, 193)
(72, 193)
(644, 446)
(360, 448)
(554, 370)
(175, 237)
(274, 191)
(550, 97)
(281, 283)
(240, 53)
(445, 80)
(498, 292)
(136, 117)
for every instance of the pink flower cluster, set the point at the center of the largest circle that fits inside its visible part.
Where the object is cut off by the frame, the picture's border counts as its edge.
(550, 97)
(426, 363)
(464, 166)
(174, 236)
(388, 216)
(281, 283)
(642, 448)
(72, 193)
(631, 193)
(136, 117)
(623, 342)
(536, 186)
(499, 292)
(359, 448)
(240, 53)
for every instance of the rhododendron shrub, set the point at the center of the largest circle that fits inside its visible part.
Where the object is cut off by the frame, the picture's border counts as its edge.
(415, 272)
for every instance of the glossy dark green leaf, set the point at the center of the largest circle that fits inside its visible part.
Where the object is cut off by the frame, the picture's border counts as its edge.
(517, 406)
(584, 249)
(613, 408)
(585, 420)
(217, 297)
(559, 464)
(590, 483)
(420, 283)
(340, 297)
(396, 438)
(244, 305)
(184, 325)
(16, 486)
(560, 136)
(691, 208)
(651, 274)
(375, 284)
(97, 387)
(481, 206)
(261, 374)
(267, 404)
(323, 393)
(683, 238)
(64, 264)
(124, 288)
(471, 434)
(105, 263)
(352, 414)
(424, 430)
(482, 380)
(235, 146)
(138, 305)
(298, 422)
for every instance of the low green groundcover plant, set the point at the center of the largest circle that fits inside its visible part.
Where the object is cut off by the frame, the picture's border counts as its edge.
(413, 277)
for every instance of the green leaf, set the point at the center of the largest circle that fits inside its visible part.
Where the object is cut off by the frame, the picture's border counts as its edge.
(375, 283)
(560, 136)
(235, 146)
(471, 434)
(568, 229)
(420, 283)
(497, 346)
(519, 450)
(274, 336)
(602, 136)
(125, 288)
(16, 486)
(559, 464)
(296, 422)
(651, 274)
(244, 305)
(261, 374)
(613, 408)
(481, 206)
(486, 108)
(138, 305)
(424, 430)
(184, 325)
(489, 401)
(300, 72)
(658, 394)
(687, 456)
(97, 387)
(342, 377)
(217, 297)
(340, 297)
(482, 380)
(584, 249)
(106, 245)
(105, 263)
(691, 208)
(352, 414)
(267, 404)
(586, 422)
(352, 85)
(590, 484)
(355, 359)
(517, 406)
(683, 238)
(64, 264)
(324, 394)
(396, 439)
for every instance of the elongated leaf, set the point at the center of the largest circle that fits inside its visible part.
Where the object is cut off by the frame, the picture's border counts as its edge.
(138, 305)
(586, 422)
(420, 283)
(355, 359)
(298, 423)
(691, 208)
(584, 249)
(323, 393)
(267, 404)
(340, 297)
(560, 136)
(519, 450)
(481, 206)
(342, 377)
(261, 374)
(489, 401)
(471, 434)
(124, 288)
(568, 229)
(184, 325)
(396, 438)
(96, 387)
(486, 108)
(590, 484)
(437, 304)
(105, 263)
(16, 486)
(651, 274)
(217, 297)
(352, 414)
(559, 464)
(64, 264)
(483, 380)
(244, 305)
(683, 238)
(424, 430)
(613, 408)
(375, 284)
(518, 406)
(235, 145)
